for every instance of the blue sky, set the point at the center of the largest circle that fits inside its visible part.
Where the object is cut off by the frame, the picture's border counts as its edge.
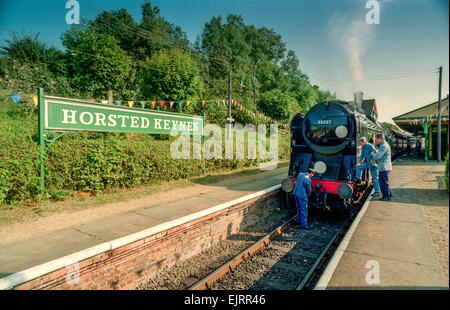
(391, 62)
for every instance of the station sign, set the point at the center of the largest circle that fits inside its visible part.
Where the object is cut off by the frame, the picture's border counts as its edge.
(61, 114)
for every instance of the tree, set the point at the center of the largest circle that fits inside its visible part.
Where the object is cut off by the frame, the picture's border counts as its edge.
(278, 105)
(98, 64)
(171, 75)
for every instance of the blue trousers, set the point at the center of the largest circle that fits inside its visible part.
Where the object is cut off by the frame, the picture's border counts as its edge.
(373, 172)
(302, 211)
(384, 184)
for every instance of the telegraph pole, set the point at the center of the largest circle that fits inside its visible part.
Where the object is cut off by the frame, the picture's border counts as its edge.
(439, 146)
(229, 118)
(254, 85)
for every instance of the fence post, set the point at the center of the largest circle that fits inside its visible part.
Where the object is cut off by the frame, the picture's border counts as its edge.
(41, 118)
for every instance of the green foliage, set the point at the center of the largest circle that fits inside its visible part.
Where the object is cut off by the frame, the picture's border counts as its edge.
(172, 75)
(278, 105)
(446, 171)
(92, 162)
(26, 78)
(98, 63)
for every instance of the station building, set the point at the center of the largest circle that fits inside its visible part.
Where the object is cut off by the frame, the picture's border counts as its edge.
(423, 122)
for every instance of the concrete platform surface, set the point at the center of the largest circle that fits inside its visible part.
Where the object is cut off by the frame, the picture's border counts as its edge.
(392, 237)
(22, 255)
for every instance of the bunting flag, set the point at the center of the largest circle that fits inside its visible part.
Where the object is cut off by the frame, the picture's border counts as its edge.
(143, 104)
(91, 100)
(203, 103)
(171, 104)
(118, 102)
(162, 104)
(188, 103)
(130, 103)
(153, 104)
(15, 98)
(104, 101)
(35, 100)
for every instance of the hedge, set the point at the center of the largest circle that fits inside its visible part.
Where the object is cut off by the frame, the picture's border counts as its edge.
(92, 162)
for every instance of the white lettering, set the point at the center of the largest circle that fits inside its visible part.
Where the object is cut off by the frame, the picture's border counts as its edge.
(123, 117)
(134, 121)
(66, 116)
(91, 118)
(100, 117)
(166, 124)
(174, 125)
(112, 120)
(373, 16)
(145, 122)
(73, 16)
(182, 126)
(157, 123)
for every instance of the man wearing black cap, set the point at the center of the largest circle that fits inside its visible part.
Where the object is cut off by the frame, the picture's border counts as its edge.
(301, 192)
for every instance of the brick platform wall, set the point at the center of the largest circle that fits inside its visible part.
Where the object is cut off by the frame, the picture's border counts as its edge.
(128, 266)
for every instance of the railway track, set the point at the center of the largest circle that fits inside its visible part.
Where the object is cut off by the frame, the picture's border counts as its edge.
(287, 258)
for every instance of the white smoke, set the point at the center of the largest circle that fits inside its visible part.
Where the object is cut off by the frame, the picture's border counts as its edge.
(353, 37)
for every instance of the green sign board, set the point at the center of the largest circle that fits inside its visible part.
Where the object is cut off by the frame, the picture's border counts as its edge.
(65, 115)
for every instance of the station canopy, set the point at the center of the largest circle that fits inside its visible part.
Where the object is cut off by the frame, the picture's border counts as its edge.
(413, 121)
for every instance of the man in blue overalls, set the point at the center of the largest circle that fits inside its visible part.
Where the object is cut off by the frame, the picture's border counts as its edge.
(301, 192)
(366, 162)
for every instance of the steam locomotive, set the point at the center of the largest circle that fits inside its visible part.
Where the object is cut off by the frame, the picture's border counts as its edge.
(326, 138)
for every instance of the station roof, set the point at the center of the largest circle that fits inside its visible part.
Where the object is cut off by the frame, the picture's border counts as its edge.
(428, 112)
(424, 111)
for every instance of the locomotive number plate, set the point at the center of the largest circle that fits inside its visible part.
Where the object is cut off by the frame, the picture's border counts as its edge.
(324, 122)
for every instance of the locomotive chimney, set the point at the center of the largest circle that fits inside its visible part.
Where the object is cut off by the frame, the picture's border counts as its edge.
(358, 98)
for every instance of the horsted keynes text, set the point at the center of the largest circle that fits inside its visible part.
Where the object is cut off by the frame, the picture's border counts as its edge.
(65, 114)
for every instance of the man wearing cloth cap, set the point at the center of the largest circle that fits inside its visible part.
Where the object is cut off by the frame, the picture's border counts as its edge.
(383, 157)
(301, 192)
(366, 162)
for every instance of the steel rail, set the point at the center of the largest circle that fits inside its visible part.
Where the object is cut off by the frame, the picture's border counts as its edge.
(320, 260)
(206, 283)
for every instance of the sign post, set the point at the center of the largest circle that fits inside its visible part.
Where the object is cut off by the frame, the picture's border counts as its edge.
(65, 115)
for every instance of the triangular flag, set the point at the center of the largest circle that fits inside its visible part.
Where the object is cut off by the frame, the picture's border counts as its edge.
(90, 100)
(130, 104)
(203, 103)
(15, 98)
(218, 102)
(188, 103)
(143, 104)
(180, 103)
(118, 102)
(162, 103)
(35, 100)
(171, 104)
(223, 102)
(153, 104)
(104, 101)
(195, 103)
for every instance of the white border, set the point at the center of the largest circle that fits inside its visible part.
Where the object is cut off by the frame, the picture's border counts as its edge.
(21, 277)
